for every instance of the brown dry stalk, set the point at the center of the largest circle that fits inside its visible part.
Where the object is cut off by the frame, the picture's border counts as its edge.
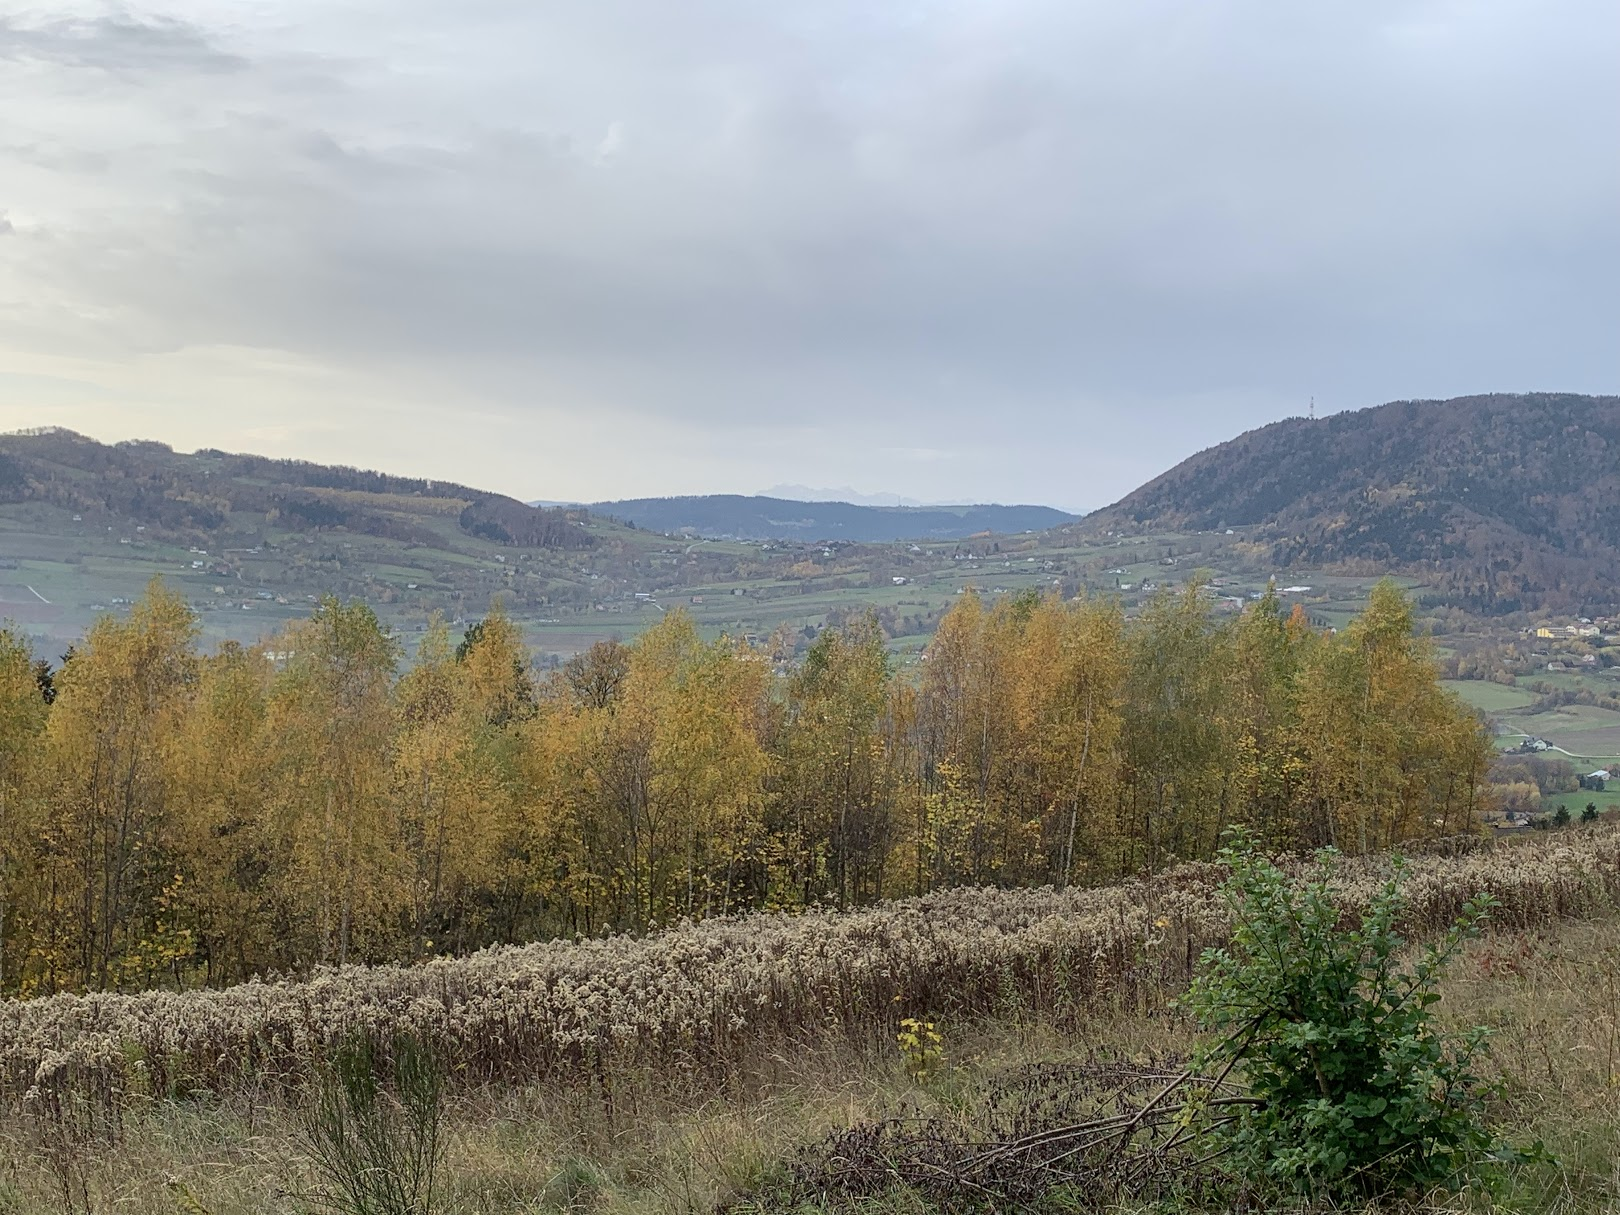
(702, 999)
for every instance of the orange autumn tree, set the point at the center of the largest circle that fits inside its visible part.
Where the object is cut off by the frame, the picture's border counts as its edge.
(178, 817)
(107, 864)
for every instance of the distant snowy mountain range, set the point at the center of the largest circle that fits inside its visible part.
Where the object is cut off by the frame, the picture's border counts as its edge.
(804, 493)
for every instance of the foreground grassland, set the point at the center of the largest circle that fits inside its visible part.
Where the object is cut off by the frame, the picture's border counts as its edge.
(682, 1072)
(1551, 997)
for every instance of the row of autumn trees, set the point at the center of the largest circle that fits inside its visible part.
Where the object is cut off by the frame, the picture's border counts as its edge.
(168, 816)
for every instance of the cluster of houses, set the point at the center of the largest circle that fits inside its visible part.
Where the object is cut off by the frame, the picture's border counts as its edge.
(1553, 632)
(1584, 632)
(1584, 629)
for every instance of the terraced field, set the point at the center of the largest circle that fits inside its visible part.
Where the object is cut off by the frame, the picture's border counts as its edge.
(57, 573)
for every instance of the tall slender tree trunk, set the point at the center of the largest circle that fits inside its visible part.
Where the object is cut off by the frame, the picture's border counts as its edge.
(1079, 784)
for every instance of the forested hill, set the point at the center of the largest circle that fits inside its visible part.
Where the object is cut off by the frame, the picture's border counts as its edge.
(757, 518)
(213, 496)
(1503, 501)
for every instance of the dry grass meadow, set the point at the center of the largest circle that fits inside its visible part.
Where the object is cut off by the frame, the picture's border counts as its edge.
(682, 1073)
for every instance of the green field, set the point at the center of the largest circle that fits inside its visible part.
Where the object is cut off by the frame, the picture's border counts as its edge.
(1575, 802)
(1583, 732)
(1487, 696)
(59, 571)
(1594, 746)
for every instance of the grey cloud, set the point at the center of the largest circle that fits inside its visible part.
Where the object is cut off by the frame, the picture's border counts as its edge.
(1070, 223)
(116, 43)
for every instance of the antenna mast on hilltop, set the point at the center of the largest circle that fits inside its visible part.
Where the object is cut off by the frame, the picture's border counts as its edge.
(1313, 409)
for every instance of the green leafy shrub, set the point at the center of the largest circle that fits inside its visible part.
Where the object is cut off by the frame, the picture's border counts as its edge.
(376, 1152)
(921, 1047)
(1356, 1089)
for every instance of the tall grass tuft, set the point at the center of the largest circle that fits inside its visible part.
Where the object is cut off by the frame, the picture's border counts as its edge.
(376, 1152)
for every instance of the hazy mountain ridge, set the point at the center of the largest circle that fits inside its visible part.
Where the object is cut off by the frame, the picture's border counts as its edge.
(1494, 503)
(1513, 500)
(746, 517)
(212, 494)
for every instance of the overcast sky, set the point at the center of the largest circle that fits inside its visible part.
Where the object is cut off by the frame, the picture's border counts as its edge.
(968, 250)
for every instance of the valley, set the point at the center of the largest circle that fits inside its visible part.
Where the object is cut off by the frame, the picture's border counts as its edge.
(555, 729)
(252, 545)
(57, 573)
(728, 609)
